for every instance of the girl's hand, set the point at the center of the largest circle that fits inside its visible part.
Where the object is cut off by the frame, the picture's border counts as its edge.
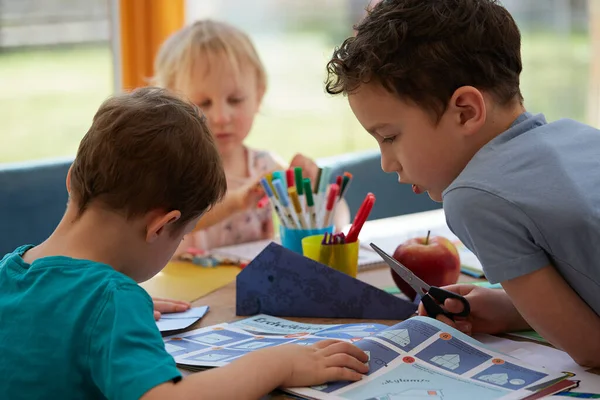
(248, 195)
(309, 168)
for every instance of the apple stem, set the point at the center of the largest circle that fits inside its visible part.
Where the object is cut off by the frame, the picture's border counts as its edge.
(427, 238)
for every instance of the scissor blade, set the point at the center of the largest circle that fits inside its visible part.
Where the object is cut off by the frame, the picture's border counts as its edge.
(414, 281)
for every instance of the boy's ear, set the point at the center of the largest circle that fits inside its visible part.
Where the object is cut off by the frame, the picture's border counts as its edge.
(468, 108)
(159, 223)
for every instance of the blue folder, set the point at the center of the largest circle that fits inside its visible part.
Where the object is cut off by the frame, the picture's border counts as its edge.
(283, 283)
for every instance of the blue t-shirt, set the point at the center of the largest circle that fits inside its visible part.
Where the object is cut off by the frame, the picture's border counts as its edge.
(531, 197)
(76, 329)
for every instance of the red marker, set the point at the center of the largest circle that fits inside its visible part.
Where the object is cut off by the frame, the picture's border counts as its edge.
(361, 216)
(289, 177)
(262, 203)
(334, 189)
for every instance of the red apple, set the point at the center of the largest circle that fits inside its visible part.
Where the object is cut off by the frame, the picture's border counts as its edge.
(433, 259)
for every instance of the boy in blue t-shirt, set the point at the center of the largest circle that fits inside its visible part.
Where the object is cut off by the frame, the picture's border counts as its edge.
(436, 83)
(75, 323)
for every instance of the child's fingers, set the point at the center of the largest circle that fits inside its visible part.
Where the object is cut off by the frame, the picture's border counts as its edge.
(169, 307)
(346, 360)
(446, 320)
(341, 374)
(324, 343)
(453, 306)
(465, 327)
(156, 315)
(185, 303)
(421, 310)
(345, 347)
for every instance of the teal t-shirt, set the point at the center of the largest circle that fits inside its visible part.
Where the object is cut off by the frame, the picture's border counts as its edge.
(76, 329)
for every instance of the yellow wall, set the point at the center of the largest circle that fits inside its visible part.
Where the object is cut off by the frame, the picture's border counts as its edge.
(144, 25)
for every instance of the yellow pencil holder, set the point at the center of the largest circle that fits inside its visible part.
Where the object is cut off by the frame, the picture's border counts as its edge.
(341, 257)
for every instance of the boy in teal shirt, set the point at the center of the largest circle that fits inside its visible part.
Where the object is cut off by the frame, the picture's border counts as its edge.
(75, 322)
(436, 83)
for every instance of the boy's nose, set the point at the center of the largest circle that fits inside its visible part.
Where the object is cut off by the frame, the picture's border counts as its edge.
(389, 163)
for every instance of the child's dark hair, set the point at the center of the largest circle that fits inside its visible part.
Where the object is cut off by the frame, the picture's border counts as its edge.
(148, 150)
(423, 50)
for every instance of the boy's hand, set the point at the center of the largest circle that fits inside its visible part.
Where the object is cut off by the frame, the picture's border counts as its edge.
(309, 168)
(325, 361)
(164, 306)
(491, 311)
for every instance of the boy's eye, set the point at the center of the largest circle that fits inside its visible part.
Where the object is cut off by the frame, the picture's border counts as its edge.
(204, 104)
(388, 139)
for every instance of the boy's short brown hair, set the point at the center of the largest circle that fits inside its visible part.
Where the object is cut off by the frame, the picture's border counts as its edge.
(424, 50)
(148, 150)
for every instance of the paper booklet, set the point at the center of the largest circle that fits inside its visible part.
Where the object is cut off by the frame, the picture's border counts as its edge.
(414, 359)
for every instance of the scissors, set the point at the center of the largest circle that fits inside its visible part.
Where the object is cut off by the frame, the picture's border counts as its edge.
(432, 296)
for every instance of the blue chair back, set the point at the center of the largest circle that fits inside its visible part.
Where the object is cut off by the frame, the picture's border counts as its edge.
(33, 199)
(392, 198)
(33, 195)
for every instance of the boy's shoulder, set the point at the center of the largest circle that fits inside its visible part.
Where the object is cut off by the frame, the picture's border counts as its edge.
(528, 152)
(66, 274)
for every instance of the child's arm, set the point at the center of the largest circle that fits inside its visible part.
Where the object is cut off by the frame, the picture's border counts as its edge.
(557, 313)
(510, 246)
(258, 373)
(235, 200)
(541, 300)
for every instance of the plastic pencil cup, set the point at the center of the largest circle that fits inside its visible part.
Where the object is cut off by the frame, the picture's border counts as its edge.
(341, 257)
(292, 238)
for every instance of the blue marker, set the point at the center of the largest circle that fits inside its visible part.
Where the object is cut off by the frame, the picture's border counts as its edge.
(281, 176)
(285, 203)
(276, 205)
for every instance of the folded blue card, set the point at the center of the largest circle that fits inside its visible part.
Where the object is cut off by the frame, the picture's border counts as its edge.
(181, 320)
(283, 283)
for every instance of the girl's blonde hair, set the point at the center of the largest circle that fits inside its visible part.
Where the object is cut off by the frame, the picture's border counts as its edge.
(205, 40)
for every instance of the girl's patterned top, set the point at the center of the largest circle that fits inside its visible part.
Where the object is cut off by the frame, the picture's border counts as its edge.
(244, 226)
